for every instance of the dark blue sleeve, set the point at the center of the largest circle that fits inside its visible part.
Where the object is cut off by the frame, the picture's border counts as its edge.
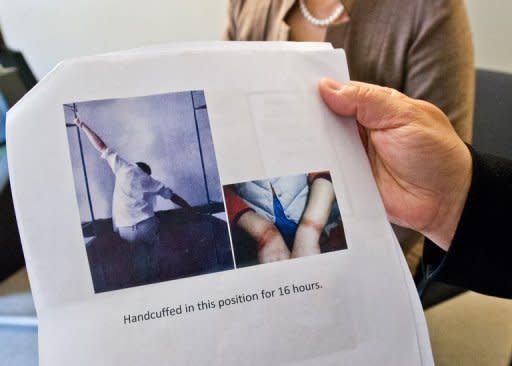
(480, 256)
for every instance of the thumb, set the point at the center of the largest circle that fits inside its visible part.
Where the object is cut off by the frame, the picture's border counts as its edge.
(374, 107)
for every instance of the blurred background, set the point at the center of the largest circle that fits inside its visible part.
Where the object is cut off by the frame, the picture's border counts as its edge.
(51, 30)
(468, 329)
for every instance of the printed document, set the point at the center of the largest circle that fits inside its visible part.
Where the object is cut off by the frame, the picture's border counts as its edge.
(198, 204)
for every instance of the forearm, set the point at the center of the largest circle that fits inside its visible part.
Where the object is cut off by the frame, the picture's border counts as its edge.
(314, 218)
(269, 242)
(95, 140)
(180, 201)
(259, 228)
(320, 200)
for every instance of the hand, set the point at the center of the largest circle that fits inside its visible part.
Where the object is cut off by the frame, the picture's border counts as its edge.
(271, 246)
(180, 201)
(307, 240)
(78, 123)
(422, 168)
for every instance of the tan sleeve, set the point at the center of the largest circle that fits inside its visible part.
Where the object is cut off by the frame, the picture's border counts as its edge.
(440, 67)
(229, 33)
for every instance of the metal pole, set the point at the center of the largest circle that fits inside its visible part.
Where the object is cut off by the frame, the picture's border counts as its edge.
(200, 149)
(85, 173)
(204, 176)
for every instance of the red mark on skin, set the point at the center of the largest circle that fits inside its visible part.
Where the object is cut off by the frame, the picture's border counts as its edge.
(269, 234)
(312, 224)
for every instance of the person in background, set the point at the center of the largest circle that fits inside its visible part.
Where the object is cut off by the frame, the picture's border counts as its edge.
(432, 182)
(421, 48)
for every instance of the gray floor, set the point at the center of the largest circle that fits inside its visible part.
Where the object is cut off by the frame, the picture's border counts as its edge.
(18, 331)
(18, 346)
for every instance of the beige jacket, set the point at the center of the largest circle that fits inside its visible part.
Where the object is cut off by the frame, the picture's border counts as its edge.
(420, 47)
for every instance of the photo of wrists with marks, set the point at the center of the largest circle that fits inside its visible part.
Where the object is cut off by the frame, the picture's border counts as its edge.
(283, 218)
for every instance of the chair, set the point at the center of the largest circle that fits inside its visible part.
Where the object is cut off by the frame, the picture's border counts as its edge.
(492, 133)
(15, 80)
(492, 128)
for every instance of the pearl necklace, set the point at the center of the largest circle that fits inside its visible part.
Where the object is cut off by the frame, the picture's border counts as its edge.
(320, 22)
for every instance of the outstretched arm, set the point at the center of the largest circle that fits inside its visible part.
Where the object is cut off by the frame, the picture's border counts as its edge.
(180, 201)
(95, 140)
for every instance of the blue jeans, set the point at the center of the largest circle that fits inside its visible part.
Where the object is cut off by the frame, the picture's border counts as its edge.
(143, 239)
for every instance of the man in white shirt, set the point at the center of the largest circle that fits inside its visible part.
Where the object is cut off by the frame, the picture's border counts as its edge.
(133, 214)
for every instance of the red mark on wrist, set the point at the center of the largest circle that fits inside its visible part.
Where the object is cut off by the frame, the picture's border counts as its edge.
(311, 224)
(269, 234)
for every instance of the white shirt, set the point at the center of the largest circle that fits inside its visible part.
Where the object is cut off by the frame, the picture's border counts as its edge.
(134, 191)
(292, 192)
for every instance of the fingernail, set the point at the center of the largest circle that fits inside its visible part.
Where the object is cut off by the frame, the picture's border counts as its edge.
(331, 85)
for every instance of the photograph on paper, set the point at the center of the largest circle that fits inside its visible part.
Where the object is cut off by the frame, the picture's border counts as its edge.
(148, 189)
(283, 218)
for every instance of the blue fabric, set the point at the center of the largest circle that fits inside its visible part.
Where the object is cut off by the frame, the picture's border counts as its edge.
(4, 173)
(292, 192)
(3, 113)
(286, 227)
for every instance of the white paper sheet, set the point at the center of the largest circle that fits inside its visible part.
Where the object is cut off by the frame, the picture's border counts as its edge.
(267, 120)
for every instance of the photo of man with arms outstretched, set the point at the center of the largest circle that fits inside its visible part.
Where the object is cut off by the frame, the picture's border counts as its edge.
(133, 215)
(148, 189)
